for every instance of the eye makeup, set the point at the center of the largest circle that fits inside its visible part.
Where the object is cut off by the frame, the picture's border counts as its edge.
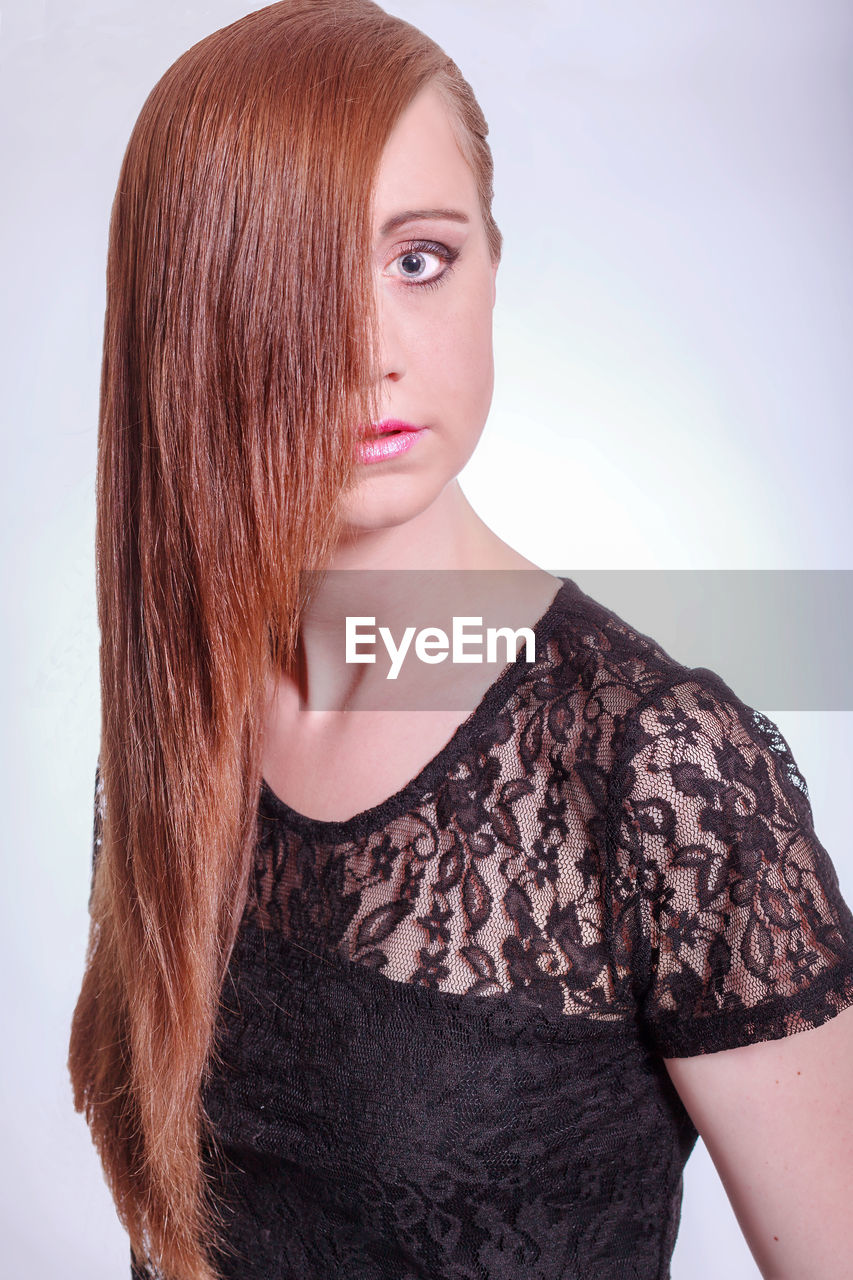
(433, 248)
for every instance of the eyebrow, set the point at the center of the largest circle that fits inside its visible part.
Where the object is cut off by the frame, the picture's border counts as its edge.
(416, 215)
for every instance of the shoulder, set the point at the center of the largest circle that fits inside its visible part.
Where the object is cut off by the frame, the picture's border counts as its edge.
(593, 646)
(745, 935)
(620, 676)
(655, 700)
(731, 917)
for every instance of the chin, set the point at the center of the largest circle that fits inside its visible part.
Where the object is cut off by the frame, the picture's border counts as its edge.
(389, 505)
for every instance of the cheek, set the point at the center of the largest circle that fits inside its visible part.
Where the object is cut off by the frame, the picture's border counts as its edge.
(462, 341)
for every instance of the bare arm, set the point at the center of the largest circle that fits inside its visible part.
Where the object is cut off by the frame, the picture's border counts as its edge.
(777, 1119)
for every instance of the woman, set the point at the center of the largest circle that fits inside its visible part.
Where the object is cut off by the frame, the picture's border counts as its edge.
(383, 994)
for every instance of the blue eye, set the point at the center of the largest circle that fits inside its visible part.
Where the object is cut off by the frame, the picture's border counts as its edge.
(423, 264)
(416, 265)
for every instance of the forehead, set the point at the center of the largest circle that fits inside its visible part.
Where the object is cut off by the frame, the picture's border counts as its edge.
(422, 166)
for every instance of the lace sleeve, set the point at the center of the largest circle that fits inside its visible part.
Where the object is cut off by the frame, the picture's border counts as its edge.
(743, 932)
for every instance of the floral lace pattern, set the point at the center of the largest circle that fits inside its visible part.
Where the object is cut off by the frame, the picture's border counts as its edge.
(441, 1040)
(617, 814)
(744, 933)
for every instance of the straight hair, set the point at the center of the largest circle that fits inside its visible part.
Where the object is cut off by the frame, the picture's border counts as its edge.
(239, 351)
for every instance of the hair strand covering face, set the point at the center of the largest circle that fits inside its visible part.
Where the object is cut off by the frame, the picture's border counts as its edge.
(239, 346)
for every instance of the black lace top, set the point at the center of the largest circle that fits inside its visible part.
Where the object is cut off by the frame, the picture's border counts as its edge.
(443, 1025)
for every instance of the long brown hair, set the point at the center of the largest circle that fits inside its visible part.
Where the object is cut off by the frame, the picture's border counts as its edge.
(239, 346)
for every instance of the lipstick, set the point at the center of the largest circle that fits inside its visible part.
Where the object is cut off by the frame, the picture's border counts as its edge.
(388, 439)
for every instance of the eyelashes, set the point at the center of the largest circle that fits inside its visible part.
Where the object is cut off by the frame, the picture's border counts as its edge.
(427, 248)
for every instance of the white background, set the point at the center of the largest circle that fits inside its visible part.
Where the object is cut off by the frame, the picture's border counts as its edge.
(673, 181)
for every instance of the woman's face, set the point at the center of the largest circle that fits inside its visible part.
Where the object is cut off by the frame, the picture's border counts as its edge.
(435, 285)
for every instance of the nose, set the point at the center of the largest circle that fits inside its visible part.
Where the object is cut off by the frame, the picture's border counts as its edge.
(392, 360)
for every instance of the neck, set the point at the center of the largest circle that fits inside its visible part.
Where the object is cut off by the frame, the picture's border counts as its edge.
(364, 579)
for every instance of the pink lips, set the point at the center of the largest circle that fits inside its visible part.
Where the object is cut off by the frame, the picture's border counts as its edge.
(388, 439)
